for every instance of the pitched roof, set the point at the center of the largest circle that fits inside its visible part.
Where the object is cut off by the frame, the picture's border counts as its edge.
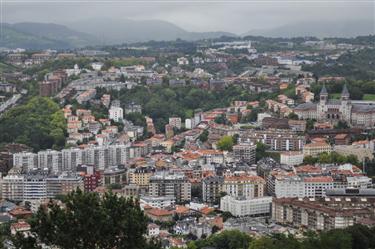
(324, 90)
(345, 91)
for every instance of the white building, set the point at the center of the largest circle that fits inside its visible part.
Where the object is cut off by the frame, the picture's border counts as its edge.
(246, 207)
(175, 122)
(190, 123)
(153, 230)
(182, 61)
(50, 159)
(116, 113)
(285, 186)
(97, 66)
(26, 160)
(157, 201)
(261, 116)
(291, 158)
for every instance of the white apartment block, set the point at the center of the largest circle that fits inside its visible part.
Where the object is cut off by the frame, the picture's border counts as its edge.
(37, 186)
(175, 122)
(246, 207)
(291, 158)
(295, 186)
(116, 114)
(286, 186)
(101, 157)
(157, 201)
(26, 160)
(50, 159)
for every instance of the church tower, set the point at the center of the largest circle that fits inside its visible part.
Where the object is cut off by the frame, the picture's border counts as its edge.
(322, 106)
(346, 106)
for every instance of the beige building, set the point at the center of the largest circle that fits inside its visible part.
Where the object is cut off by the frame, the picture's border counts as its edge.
(141, 176)
(314, 149)
(248, 187)
(291, 158)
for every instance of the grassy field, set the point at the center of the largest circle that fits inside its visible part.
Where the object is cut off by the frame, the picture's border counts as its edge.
(365, 96)
(369, 97)
(5, 67)
(335, 95)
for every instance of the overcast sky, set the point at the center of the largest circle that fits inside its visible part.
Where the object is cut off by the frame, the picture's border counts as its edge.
(236, 16)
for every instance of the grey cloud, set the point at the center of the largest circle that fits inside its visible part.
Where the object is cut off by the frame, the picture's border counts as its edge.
(231, 16)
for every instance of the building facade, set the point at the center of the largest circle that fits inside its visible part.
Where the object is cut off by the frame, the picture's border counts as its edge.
(355, 113)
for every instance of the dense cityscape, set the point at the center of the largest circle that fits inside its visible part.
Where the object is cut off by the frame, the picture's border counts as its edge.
(229, 142)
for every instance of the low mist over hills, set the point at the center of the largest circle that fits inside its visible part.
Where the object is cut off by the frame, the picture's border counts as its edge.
(109, 31)
(321, 29)
(43, 35)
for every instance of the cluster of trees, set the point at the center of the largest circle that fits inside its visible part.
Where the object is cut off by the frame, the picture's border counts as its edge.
(162, 102)
(332, 157)
(357, 88)
(354, 65)
(87, 220)
(227, 142)
(355, 237)
(39, 123)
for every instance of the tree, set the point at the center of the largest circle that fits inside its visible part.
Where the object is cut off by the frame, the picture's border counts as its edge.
(260, 151)
(204, 136)
(341, 125)
(225, 143)
(230, 239)
(292, 115)
(39, 124)
(88, 221)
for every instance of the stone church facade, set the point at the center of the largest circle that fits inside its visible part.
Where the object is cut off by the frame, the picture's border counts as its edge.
(355, 113)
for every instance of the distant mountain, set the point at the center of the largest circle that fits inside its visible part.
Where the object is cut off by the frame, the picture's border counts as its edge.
(12, 38)
(95, 32)
(321, 29)
(110, 31)
(42, 36)
(56, 32)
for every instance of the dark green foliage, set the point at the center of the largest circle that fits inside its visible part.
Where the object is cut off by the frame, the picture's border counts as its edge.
(39, 124)
(204, 136)
(341, 125)
(260, 151)
(89, 221)
(332, 157)
(292, 115)
(162, 102)
(355, 65)
(228, 239)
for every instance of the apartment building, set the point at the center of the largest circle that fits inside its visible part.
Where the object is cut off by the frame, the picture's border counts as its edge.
(291, 158)
(248, 187)
(211, 189)
(116, 113)
(175, 122)
(38, 185)
(278, 140)
(141, 176)
(245, 152)
(314, 149)
(25, 160)
(322, 213)
(50, 159)
(114, 175)
(170, 184)
(239, 207)
(101, 157)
